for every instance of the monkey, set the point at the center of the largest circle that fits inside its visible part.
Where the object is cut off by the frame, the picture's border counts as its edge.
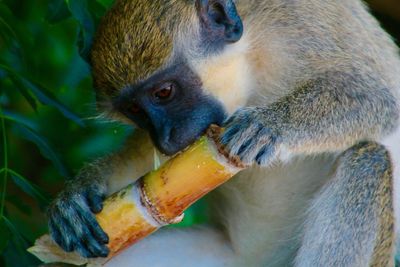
(308, 94)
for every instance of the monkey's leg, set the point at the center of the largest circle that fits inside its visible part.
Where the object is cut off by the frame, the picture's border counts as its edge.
(351, 221)
(194, 247)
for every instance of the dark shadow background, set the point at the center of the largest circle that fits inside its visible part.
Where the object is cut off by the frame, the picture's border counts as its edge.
(47, 125)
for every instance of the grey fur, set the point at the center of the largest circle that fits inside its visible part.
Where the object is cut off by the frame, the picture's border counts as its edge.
(324, 77)
(346, 218)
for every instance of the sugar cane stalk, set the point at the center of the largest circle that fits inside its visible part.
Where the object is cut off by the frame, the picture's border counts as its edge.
(160, 197)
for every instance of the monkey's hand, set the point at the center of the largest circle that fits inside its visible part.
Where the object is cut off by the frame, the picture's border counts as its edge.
(72, 223)
(253, 134)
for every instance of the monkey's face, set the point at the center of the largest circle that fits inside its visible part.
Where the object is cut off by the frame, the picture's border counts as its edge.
(172, 106)
(165, 67)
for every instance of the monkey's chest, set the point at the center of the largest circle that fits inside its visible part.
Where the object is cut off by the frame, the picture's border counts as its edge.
(263, 208)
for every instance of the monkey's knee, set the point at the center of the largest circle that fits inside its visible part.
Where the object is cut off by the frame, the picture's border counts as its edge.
(369, 163)
(364, 177)
(350, 222)
(365, 160)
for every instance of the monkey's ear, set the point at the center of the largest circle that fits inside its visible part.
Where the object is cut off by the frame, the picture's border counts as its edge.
(220, 19)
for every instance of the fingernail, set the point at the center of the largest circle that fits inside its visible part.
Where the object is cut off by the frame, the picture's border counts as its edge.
(104, 252)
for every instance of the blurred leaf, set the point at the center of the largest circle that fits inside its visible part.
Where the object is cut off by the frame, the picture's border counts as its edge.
(106, 3)
(44, 147)
(19, 204)
(43, 95)
(14, 231)
(7, 33)
(11, 40)
(17, 118)
(57, 11)
(4, 235)
(14, 255)
(97, 9)
(47, 98)
(80, 11)
(28, 187)
(24, 92)
(4, 26)
(16, 249)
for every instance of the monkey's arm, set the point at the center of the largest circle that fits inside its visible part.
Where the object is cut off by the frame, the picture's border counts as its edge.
(329, 113)
(72, 223)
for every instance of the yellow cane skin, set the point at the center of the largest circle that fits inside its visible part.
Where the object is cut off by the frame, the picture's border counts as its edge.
(122, 220)
(184, 179)
(161, 196)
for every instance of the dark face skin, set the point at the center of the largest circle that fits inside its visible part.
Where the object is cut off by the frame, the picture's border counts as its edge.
(172, 105)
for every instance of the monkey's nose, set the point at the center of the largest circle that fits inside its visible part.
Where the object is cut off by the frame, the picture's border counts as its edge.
(174, 140)
(161, 139)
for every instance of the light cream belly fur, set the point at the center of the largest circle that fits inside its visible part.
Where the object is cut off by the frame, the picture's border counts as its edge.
(263, 208)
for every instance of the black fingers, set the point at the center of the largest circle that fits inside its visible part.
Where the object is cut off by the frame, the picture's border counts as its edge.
(74, 227)
(95, 200)
(57, 237)
(93, 226)
(249, 139)
(59, 228)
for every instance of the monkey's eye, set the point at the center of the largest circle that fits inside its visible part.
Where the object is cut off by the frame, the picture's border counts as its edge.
(134, 108)
(164, 93)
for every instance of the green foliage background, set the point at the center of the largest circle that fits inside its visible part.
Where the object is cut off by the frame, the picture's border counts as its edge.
(47, 113)
(46, 110)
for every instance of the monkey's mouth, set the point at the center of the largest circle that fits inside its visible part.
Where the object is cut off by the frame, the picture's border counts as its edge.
(174, 140)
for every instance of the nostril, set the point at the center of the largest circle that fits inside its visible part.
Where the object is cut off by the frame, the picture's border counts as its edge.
(166, 143)
(234, 33)
(172, 132)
